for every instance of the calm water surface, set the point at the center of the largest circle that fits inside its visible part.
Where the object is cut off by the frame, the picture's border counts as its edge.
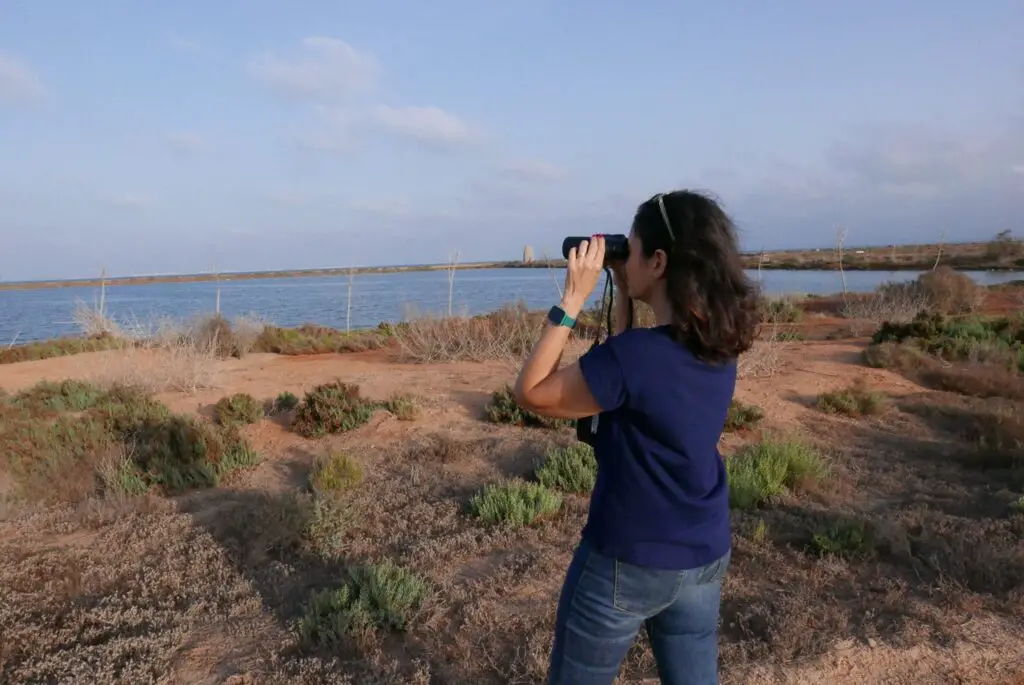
(27, 315)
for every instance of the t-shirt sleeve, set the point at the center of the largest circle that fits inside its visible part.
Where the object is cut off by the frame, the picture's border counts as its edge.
(604, 376)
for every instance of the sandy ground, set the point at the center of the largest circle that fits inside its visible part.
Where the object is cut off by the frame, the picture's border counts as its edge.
(235, 633)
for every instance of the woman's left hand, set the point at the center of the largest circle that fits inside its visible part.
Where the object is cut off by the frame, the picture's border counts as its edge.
(582, 274)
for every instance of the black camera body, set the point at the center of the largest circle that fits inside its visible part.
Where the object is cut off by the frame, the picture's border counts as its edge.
(616, 247)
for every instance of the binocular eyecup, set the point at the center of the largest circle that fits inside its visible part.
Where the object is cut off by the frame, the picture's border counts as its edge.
(616, 246)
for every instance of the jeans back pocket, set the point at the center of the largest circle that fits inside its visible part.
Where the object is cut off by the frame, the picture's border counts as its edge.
(644, 591)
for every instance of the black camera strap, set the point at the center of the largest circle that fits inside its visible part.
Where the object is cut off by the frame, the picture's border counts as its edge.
(586, 427)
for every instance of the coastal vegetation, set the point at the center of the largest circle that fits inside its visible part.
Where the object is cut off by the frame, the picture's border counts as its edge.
(231, 501)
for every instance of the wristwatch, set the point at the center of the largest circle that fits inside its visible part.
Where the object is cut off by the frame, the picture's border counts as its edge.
(558, 317)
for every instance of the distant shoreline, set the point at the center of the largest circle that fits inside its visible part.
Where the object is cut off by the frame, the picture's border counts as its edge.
(963, 256)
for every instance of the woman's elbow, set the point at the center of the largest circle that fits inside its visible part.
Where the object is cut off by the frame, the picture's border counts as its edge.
(525, 397)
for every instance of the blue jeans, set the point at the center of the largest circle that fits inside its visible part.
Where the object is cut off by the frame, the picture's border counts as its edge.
(605, 601)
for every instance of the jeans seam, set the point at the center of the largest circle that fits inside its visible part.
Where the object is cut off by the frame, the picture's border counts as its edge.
(572, 602)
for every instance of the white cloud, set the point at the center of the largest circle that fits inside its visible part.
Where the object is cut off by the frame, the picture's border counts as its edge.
(18, 83)
(428, 125)
(329, 70)
(187, 141)
(1017, 169)
(335, 133)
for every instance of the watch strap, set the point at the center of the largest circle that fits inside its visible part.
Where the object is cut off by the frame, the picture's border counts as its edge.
(558, 317)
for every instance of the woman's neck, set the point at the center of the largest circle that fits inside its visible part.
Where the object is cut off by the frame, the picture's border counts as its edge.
(662, 307)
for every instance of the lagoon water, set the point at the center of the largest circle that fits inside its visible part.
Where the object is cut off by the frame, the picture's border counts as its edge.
(27, 315)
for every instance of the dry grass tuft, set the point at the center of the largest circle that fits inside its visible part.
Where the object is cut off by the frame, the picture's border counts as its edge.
(507, 334)
(765, 357)
(403, 407)
(780, 309)
(855, 400)
(335, 473)
(742, 416)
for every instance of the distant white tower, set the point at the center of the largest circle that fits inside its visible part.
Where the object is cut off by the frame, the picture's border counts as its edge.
(527, 255)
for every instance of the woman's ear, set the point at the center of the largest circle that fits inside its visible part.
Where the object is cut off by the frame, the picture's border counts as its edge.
(660, 263)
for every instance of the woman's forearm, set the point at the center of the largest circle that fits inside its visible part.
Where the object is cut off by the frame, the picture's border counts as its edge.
(547, 354)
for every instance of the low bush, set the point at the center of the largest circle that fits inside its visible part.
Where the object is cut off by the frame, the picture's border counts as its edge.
(855, 400)
(381, 597)
(569, 469)
(503, 408)
(516, 503)
(118, 439)
(988, 353)
(847, 539)
(782, 309)
(760, 472)
(335, 407)
(284, 402)
(402, 407)
(949, 291)
(182, 453)
(742, 416)
(312, 339)
(238, 410)
(69, 395)
(59, 347)
(335, 473)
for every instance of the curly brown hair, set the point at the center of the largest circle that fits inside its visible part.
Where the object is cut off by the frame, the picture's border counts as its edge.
(714, 303)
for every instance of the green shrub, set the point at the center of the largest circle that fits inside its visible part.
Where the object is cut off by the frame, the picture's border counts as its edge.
(782, 309)
(117, 440)
(374, 598)
(238, 409)
(69, 395)
(335, 407)
(180, 453)
(569, 469)
(284, 402)
(516, 503)
(742, 416)
(402, 407)
(503, 408)
(311, 339)
(60, 347)
(855, 400)
(974, 339)
(842, 538)
(760, 472)
(335, 473)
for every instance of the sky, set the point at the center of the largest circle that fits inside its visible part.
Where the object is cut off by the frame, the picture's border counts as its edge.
(188, 136)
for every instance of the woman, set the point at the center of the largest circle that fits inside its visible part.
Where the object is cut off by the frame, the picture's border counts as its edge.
(656, 544)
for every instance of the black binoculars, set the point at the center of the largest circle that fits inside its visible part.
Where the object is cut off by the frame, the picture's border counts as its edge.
(616, 246)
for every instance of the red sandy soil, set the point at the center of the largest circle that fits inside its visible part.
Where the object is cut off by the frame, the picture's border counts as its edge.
(502, 590)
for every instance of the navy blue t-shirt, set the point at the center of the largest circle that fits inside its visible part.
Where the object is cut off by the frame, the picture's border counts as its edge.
(661, 499)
